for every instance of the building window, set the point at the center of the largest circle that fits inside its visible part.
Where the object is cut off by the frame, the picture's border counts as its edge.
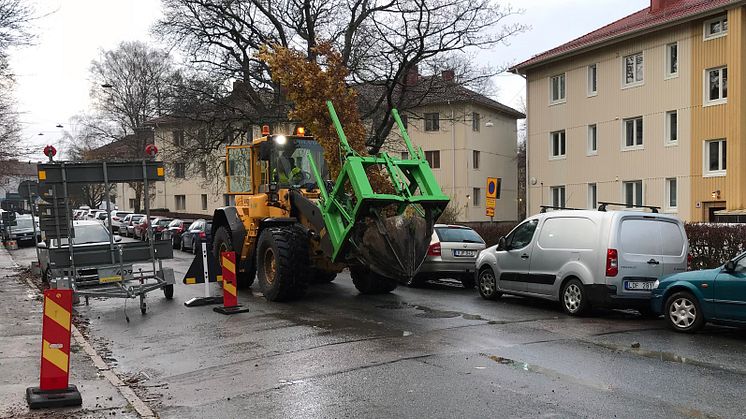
(672, 60)
(592, 80)
(204, 201)
(715, 28)
(203, 169)
(716, 86)
(229, 200)
(592, 140)
(132, 203)
(633, 193)
(475, 121)
(633, 69)
(558, 196)
(715, 157)
(178, 138)
(592, 196)
(405, 155)
(432, 121)
(433, 159)
(180, 202)
(672, 127)
(475, 156)
(476, 198)
(671, 193)
(179, 170)
(557, 89)
(557, 144)
(632, 132)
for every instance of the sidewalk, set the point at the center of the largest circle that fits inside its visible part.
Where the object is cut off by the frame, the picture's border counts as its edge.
(20, 348)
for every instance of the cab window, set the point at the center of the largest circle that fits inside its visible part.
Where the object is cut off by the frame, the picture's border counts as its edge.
(522, 235)
(239, 170)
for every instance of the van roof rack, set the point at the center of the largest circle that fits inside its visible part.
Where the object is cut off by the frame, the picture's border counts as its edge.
(602, 206)
(544, 208)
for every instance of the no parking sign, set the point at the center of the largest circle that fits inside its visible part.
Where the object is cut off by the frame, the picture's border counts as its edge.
(493, 194)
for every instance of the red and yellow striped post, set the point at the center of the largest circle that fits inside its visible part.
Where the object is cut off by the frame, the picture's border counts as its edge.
(230, 289)
(54, 387)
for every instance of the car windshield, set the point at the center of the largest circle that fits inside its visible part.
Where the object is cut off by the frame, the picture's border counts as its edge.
(174, 223)
(163, 222)
(88, 233)
(457, 234)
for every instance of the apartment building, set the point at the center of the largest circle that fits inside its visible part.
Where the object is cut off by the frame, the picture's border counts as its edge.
(467, 137)
(645, 110)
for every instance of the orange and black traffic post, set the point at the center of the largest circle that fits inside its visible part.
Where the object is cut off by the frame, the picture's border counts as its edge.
(54, 388)
(230, 290)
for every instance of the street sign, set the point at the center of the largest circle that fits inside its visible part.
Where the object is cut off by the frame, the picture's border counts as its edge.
(493, 187)
(491, 203)
(490, 212)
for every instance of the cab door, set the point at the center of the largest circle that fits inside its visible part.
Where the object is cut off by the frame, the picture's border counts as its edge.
(730, 293)
(514, 261)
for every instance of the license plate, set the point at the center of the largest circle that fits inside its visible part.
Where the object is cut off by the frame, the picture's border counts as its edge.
(638, 285)
(465, 253)
(107, 275)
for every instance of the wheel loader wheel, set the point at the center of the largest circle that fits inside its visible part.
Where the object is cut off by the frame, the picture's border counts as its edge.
(368, 282)
(282, 263)
(222, 243)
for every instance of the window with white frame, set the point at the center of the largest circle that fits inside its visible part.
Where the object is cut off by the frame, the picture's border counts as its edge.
(716, 85)
(715, 157)
(132, 203)
(557, 88)
(672, 193)
(672, 127)
(634, 69)
(557, 143)
(632, 132)
(716, 27)
(558, 196)
(476, 197)
(672, 60)
(432, 121)
(592, 196)
(204, 201)
(592, 140)
(180, 202)
(632, 193)
(592, 80)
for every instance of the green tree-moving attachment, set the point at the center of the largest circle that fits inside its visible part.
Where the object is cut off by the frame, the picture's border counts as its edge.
(387, 231)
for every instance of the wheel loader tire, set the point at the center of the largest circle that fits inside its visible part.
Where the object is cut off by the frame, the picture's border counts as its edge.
(282, 263)
(368, 282)
(222, 243)
(323, 277)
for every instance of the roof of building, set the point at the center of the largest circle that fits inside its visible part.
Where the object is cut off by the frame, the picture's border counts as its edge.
(646, 20)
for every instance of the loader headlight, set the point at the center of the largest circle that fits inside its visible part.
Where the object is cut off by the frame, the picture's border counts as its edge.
(281, 140)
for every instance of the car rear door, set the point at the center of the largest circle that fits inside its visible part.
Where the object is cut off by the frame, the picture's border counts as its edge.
(642, 257)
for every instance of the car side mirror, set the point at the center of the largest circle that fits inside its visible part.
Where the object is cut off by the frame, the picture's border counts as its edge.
(501, 244)
(117, 238)
(41, 245)
(730, 266)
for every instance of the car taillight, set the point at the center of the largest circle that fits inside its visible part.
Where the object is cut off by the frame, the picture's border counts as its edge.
(434, 250)
(612, 262)
(689, 262)
(202, 235)
(115, 218)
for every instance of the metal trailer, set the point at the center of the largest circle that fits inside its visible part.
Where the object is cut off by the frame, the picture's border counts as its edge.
(102, 270)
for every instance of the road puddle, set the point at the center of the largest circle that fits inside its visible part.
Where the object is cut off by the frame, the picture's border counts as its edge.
(431, 313)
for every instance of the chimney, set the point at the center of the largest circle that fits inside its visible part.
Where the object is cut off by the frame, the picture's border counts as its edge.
(658, 5)
(413, 76)
(448, 75)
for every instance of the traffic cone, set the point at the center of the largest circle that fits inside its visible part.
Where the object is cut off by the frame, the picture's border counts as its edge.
(54, 388)
(230, 290)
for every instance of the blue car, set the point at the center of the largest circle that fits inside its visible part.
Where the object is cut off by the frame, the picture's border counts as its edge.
(689, 299)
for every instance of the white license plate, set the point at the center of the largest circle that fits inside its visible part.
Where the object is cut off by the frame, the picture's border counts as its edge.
(638, 285)
(106, 275)
(465, 253)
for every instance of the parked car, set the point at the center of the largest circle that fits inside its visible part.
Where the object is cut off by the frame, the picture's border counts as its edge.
(197, 233)
(139, 231)
(688, 300)
(23, 231)
(452, 254)
(93, 213)
(134, 220)
(117, 219)
(585, 258)
(160, 226)
(174, 231)
(87, 233)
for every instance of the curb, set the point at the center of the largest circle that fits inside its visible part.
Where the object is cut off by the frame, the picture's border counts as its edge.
(126, 391)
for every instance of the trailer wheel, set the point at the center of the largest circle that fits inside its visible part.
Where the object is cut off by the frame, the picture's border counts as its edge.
(368, 282)
(282, 263)
(222, 243)
(168, 291)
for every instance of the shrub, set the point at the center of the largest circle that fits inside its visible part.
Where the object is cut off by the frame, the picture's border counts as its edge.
(491, 232)
(711, 245)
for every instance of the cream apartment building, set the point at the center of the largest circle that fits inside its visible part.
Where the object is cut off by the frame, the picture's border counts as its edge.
(644, 111)
(466, 139)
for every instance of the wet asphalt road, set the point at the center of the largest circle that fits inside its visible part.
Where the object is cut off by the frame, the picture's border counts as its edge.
(438, 351)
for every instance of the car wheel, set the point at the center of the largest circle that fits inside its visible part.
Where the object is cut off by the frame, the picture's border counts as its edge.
(573, 298)
(488, 284)
(683, 312)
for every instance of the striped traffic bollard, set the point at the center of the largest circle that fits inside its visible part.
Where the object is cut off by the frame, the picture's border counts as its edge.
(230, 290)
(54, 388)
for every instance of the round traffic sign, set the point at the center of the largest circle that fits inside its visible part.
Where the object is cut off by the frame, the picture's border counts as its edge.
(491, 186)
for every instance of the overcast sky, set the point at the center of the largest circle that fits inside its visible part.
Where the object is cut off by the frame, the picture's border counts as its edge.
(52, 76)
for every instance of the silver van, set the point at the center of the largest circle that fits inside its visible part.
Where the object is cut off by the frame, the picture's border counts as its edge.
(585, 258)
